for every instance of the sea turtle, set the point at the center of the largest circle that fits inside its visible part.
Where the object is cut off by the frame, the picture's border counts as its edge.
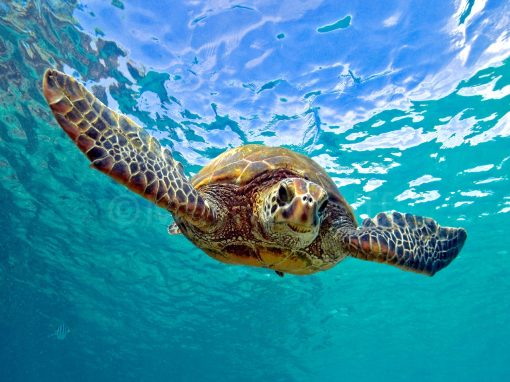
(253, 205)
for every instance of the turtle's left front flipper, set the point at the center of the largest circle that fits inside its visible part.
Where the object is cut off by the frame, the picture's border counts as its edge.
(123, 150)
(410, 242)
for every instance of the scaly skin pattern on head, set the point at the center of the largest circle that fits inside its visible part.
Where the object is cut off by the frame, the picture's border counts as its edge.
(123, 150)
(291, 211)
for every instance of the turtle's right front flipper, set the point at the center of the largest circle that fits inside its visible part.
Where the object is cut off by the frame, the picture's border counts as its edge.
(410, 242)
(123, 150)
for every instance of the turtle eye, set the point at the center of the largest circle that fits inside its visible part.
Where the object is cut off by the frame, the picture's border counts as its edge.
(283, 195)
(323, 206)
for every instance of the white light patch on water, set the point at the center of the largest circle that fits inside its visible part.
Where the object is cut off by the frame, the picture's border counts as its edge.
(489, 118)
(229, 41)
(123, 68)
(318, 68)
(374, 168)
(481, 168)
(354, 136)
(372, 184)
(74, 73)
(191, 156)
(453, 133)
(489, 180)
(500, 47)
(478, 6)
(359, 202)
(392, 20)
(419, 197)
(500, 166)
(378, 123)
(458, 204)
(218, 138)
(341, 122)
(439, 84)
(475, 193)
(151, 103)
(287, 132)
(414, 117)
(381, 99)
(486, 90)
(258, 60)
(501, 129)
(400, 117)
(504, 210)
(459, 31)
(341, 182)
(330, 165)
(401, 139)
(442, 82)
(423, 180)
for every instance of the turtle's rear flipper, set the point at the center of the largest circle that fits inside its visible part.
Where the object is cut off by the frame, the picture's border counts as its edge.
(123, 150)
(173, 229)
(410, 242)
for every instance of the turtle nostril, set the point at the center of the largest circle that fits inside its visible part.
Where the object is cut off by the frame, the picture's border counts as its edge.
(307, 198)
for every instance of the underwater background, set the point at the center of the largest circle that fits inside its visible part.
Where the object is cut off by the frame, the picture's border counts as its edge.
(405, 103)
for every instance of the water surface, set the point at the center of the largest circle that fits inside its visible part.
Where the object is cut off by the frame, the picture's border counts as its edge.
(406, 104)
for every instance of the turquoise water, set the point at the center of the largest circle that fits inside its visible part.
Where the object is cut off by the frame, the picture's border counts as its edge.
(407, 106)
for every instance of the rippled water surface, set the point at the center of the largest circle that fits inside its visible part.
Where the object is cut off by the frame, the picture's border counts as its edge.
(405, 103)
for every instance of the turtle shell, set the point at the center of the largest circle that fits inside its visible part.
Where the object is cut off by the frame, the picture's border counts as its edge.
(242, 164)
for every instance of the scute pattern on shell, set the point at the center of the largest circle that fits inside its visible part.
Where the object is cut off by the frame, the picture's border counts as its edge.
(242, 164)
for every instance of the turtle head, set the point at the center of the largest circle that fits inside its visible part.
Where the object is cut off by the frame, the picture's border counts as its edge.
(292, 210)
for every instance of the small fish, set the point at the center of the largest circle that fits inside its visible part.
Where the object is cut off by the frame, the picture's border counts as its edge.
(61, 332)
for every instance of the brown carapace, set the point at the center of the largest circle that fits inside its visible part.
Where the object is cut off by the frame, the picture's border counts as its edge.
(253, 205)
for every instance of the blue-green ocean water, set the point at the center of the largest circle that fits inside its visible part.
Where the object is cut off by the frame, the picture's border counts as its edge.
(405, 103)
